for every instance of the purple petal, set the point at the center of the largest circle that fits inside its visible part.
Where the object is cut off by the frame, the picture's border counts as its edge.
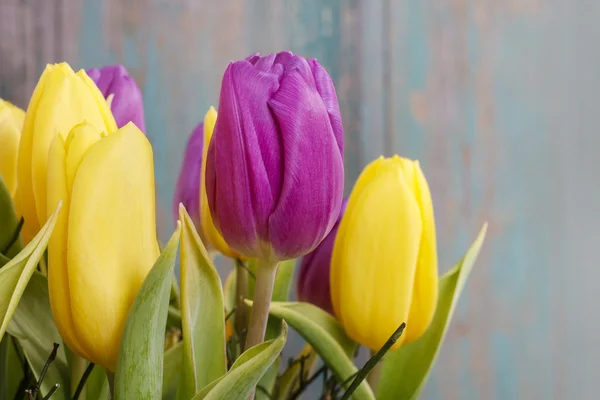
(127, 103)
(313, 179)
(313, 284)
(246, 152)
(326, 90)
(187, 190)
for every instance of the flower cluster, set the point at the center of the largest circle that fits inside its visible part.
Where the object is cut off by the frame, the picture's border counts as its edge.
(262, 183)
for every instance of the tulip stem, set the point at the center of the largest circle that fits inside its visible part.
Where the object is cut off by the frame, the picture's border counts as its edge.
(111, 383)
(265, 278)
(241, 294)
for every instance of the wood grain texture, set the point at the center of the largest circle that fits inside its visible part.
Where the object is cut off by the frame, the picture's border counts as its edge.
(497, 99)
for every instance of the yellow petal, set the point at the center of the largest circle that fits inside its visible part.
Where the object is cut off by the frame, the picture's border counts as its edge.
(112, 238)
(11, 122)
(58, 280)
(425, 287)
(375, 254)
(61, 100)
(209, 232)
(24, 166)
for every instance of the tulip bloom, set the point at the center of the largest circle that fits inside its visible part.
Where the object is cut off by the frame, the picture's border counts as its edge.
(61, 100)
(313, 279)
(104, 242)
(122, 93)
(191, 190)
(384, 263)
(274, 172)
(11, 124)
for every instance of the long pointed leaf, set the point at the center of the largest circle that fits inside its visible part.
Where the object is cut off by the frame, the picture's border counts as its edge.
(139, 372)
(325, 334)
(173, 366)
(405, 371)
(15, 275)
(203, 325)
(247, 370)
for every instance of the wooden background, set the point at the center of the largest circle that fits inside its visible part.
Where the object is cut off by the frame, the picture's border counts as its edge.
(498, 99)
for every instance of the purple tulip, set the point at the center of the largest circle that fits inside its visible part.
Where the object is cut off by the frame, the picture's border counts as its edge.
(275, 174)
(126, 104)
(312, 285)
(187, 190)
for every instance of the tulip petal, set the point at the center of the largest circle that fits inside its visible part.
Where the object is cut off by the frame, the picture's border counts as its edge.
(373, 262)
(313, 180)
(112, 238)
(58, 279)
(209, 233)
(248, 155)
(326, 90)
(11, 123)
(425, 287)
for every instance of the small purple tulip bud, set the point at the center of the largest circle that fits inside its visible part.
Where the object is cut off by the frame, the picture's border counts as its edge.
(187, 190)
(275, 173)
(312, 285)
(122, 92)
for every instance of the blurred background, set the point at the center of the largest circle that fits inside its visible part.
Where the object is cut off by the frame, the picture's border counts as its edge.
(498, 99)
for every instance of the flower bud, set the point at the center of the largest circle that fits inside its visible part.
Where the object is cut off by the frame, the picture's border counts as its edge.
(11, 124)
(191, 190)
(104, 242)
(274, 172)
(122, 93)
(61, 100)
(384, 262)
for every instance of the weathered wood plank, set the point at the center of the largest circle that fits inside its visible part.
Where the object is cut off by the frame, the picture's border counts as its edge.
(497, 100)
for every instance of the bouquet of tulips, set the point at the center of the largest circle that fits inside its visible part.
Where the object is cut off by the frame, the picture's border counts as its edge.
(91, 307)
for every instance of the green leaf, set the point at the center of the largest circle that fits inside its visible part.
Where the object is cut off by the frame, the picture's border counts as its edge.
(203, 325)
(405, 371)
(9, 224)
(34, 328)
(325, 334)
(239, 382)
(173, 366)
(267, 382)
(283, 280)
(3, 260)
(15, 275)
(11, 368)
(139, 372)
(289, 381)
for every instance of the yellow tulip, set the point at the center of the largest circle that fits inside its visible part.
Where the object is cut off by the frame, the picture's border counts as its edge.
(384, 262)
(209, 232)
(104, 242)
(61, 100)
(11, 123)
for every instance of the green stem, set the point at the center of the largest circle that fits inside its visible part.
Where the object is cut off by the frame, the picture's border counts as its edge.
(265, 278)
(78, 367)
(111, 383)
(241, 294)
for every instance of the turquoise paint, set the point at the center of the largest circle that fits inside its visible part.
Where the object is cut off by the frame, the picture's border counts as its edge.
(528, 310)
(506, 367)
(91, 44)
